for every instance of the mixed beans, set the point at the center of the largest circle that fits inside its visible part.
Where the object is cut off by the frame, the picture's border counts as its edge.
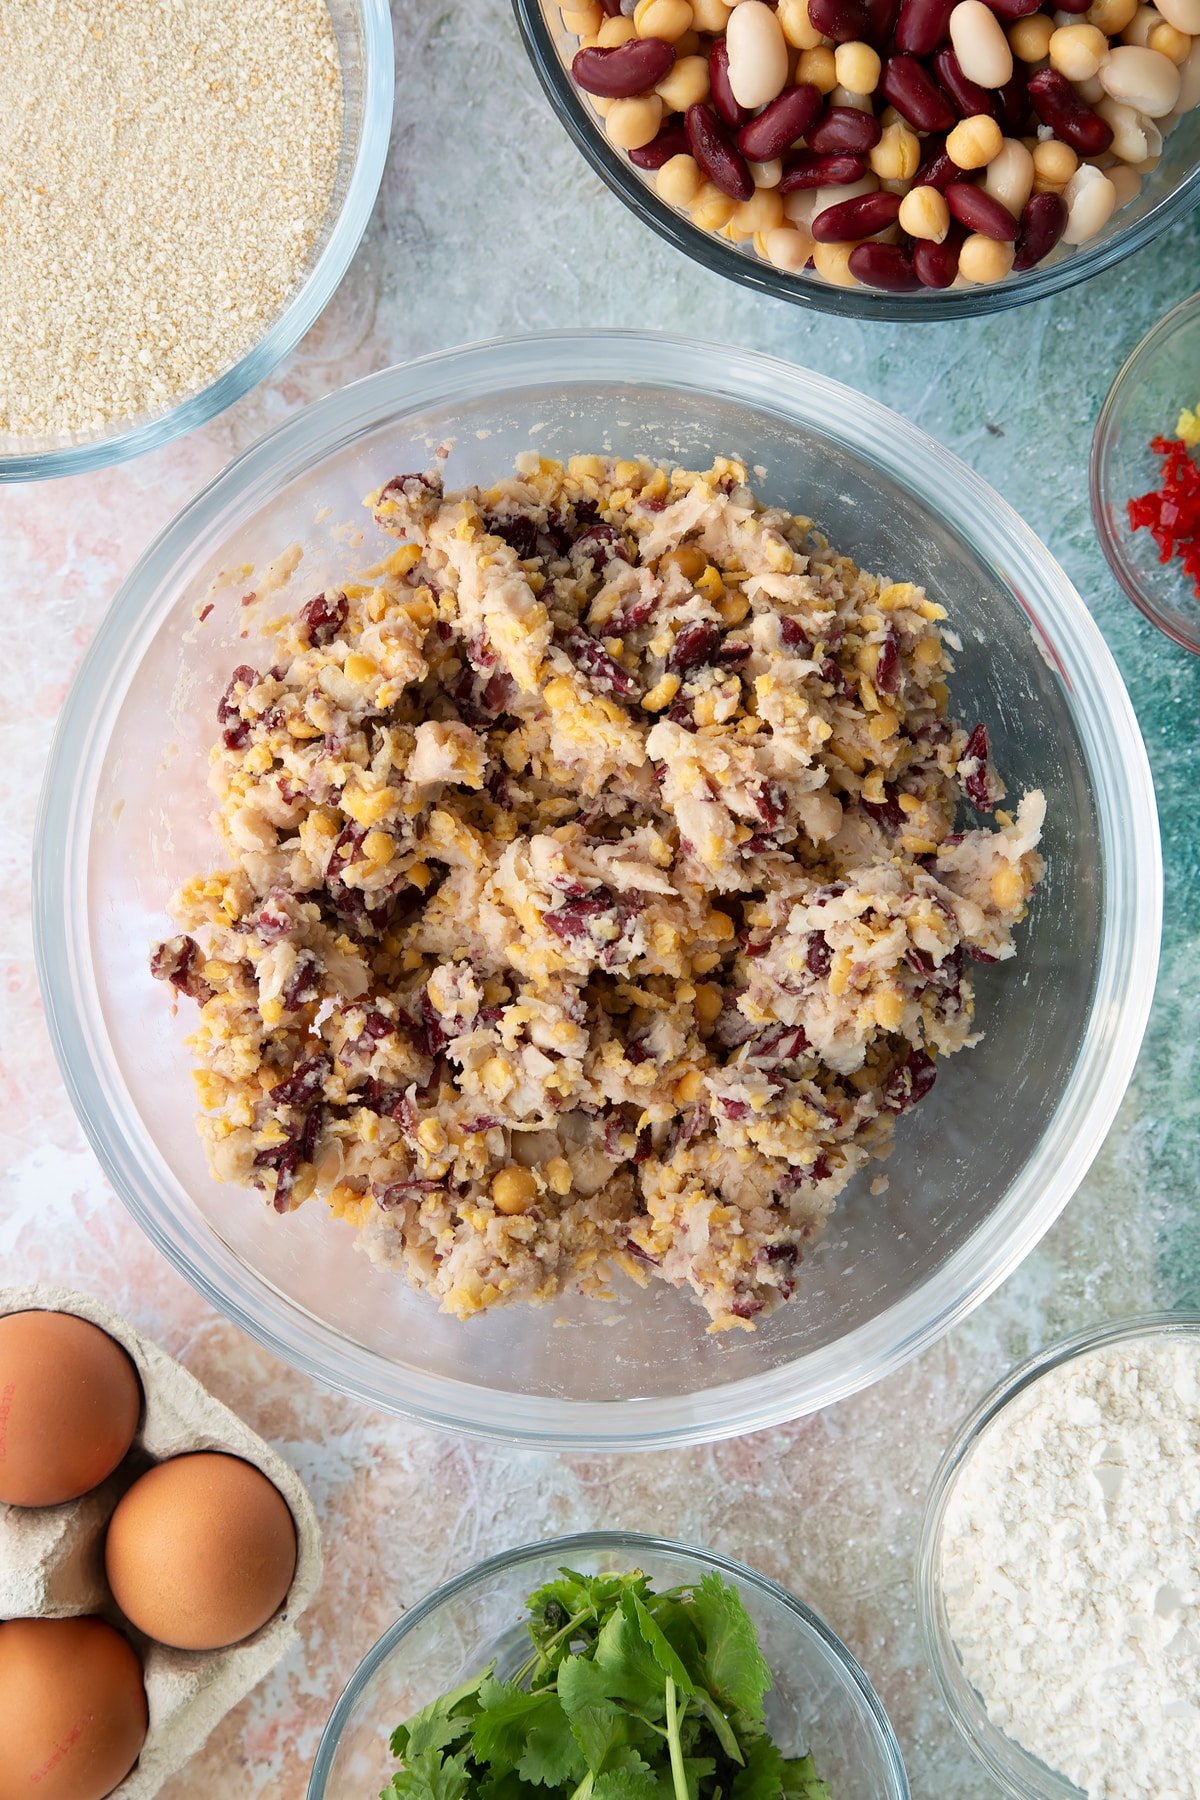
(901, 144)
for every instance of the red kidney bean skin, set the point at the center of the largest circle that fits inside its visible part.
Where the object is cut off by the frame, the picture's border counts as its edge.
(936, 265)
(845, 130)
(844, 21)
(967, 95)
(980, 211)
(924, 24)
(858, 218)
(884, 266)
(882, 15)
(1009, 11)
(611, 7)
(1042, 223)
(1012, 101)
(938, 168)
(718, 81)
(715, 154)
(1057, 104)
(778, 126)
(911, 89)
(811, 171)
(671, 141)
(625, 70)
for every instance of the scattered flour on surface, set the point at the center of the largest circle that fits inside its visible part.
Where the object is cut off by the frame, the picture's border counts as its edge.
(1071, 1569)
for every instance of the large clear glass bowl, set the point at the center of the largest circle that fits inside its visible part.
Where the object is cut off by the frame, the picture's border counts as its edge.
(821, 1702)
(363, 29)
(1159, 377)
(1168, 194)
(981, 1168)
(1017, 1772)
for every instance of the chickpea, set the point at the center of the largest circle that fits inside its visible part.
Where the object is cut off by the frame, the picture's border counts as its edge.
(513, 1189)
(858, 67)
(897, 155)
(615, 32)
(711, 15)
(975, 141)
(679, 181)
(819, 67)
(762, 212)
(832, 263)
(684, 85)
(788, 248)
(584, 23)
(924, 214)
(1077, 51)
(1170, 42)
(666, 19)
(798, 28)
(711, 209)
(984, 260)
(1029, 38)
(1054, 163)
(1111, 16)
(633, 123)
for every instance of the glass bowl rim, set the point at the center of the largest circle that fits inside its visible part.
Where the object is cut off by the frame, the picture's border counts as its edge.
(566, 1546)
(1103, 438)
(860, 302)
(298, 316)
(1126, 964)
(1021, 1777)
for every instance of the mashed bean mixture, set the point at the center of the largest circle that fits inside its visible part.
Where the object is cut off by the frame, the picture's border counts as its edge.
(597, 893)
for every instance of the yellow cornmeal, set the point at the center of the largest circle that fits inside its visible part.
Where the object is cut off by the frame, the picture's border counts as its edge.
(597, 896)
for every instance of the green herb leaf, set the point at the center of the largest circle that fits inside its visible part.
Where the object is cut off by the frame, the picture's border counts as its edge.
(551, 1756)
(801, 1781)
(598, 1723)
(442, 1722)
(732, 1663)
(503, 1721)
(430, 1776)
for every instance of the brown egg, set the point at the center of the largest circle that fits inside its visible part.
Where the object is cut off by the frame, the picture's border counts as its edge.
(69, 1406)
(72, 1709)
(201, 1551)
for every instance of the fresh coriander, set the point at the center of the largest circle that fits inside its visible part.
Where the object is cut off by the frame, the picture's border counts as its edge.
(628, 1695)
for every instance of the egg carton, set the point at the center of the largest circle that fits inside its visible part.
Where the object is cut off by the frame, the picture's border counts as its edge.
(52, 1558)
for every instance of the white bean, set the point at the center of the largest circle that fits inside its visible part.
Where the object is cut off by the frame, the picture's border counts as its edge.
(980, 44)
(758, 54)
(767, 174)
(1127, 184)
(1140, 26)
(788, 249)
(860, 102)
(1189, 82)
(799, 208)
(1184, 15)
(1009, 176)
(1090, 90)
(1132, 141)
(1144, 79)
(833, 196)
(1091, 199)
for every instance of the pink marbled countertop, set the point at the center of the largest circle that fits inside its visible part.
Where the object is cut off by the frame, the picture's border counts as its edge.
(830, 1505)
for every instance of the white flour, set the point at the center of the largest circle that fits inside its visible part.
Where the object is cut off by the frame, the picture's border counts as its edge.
(1071, 1570)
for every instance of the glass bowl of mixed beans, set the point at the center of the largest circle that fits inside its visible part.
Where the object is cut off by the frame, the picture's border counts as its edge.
(885, 158)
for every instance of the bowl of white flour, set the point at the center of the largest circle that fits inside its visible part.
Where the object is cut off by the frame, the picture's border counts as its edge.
(1059, 1571)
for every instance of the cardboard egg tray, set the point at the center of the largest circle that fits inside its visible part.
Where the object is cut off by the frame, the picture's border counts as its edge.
(52, 1558)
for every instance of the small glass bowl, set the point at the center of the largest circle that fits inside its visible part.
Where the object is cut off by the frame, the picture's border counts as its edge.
(363, 30)
(821, 1702)
(1160, 376)
(1018, 1773)
(1168, 193)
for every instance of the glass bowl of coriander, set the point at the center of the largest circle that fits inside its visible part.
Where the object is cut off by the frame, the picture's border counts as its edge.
(608, 1665)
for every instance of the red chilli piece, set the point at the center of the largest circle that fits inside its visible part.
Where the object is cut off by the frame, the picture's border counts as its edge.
(1057, 104)
(980, 211)
(908, 86)
(779, 125)
(808, 170)
(728, 109)
(858, 218)
(1043, 221)
(717, 158)
(845, 130)
(624, 70)
(1171, 512)
(967, 95)
(936, 265)
(924, 24)
(884, 266)
(671, 141)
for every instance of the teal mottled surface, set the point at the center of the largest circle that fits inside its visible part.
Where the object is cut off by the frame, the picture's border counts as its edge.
(490, 223)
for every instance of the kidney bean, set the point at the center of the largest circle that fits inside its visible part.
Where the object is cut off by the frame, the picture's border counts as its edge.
(923, 25)
(1057, 104)
(980, 211)
(884, 266)
(718, 81)
(671, 141)
(715, 154)
(857, 218)
(1013, 102)
(625, 70)
(1012, 10)
(936, 265)
(1043, 221)
(807, 170)
(845, 130)
(937, 168)
(968, 96)
(882, 15)
(845, 21)
(1072, 6)
(911, 89)
(781, 123)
